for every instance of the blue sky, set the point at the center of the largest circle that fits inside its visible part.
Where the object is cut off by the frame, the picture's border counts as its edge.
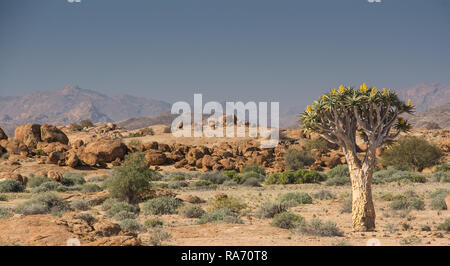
(273, 50)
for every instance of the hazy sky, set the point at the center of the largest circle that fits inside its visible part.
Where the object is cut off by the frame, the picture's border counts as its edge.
(275, 50)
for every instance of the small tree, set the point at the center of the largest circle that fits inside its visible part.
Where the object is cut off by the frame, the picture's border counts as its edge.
(130, 179)
(339, 116)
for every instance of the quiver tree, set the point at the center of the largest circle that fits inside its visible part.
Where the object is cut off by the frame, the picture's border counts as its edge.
(339, 116)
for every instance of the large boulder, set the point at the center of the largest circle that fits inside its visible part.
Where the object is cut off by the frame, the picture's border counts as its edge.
(155, 158)
(29, 134)
(72, 159)
(2, 134)
(105, 151)
(51, 133)
(56, 157)
(15, 176)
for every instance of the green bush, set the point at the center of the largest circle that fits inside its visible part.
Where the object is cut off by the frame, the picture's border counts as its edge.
(251, 182)
(42, 203)
(131, 179)
(270, 209)
(230, 203)
(231, 174)
(158, 235)
(119, 210)
(5, 213)
(3, 197)
(220, 215)
(132, 225)
(177, 184)
(89, 188)
(391, 174)
(153, 222)
(254, 168)
(318, 228)
(444, 226)
(297, 159)
(192, 211)
(203, 184)
(415, 152)
(444, 167)
(37, 181)
(11, 186)
(72, 179)
(301, 176)
(409, 200)
(287, 220)
(214, 177)
(438, 199)
(161, 205)
(243, 177)
(338, 176)
(49, 186)
(441, 176)
(318, 143)
(79, 204)
(296, 198)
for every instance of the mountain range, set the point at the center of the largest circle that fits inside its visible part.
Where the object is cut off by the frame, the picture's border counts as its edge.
(72, 104)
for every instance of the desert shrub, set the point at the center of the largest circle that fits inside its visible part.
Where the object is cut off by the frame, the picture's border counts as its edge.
(287, 220)
(408, 200)
(338, 176)
(3, 197)
(214, 177)
(49, 186)
(444, 167)
(71, 179)
(5, 213)
(158, 235)
(243, 177)
(317, 143)
(88, 188)
(131, 179)
(177, 184)
(233, 175)
(37, 181)
(317, 227)
(11, 186)
(444, 226)
(416, 152)
(300, 176)
(108, 203)
(441, 176)
(161, 205)
(79, 204)
(346, 206)
(180, 176)
(220, 215)
(119, 209)
(132, 225)
(438, 199)
(230, 183)
(251, 182)
(254, 168)
(270, 209)
(86, 123)
(203, 184)
(296, 198)
(230, 203)
(47, 202)
(324, 195)
(97, 178)
(297, 159)
(391, 174)
(192, 211)
(153, 222)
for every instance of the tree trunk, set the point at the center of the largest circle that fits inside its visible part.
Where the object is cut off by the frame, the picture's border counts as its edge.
(363, 210)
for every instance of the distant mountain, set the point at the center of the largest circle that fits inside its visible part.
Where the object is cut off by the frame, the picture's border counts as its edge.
(72, 104)
(426, 95)
(141, 122)
(435, 116)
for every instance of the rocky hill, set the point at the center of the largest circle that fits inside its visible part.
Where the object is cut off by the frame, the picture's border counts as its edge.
(426, 95)
(438, 117)
(72, 104)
